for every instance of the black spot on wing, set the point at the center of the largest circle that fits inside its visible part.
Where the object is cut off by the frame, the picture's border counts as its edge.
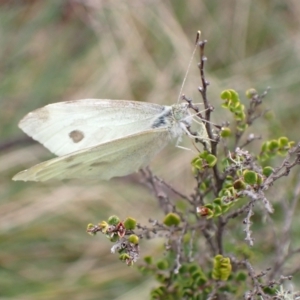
(76, 136)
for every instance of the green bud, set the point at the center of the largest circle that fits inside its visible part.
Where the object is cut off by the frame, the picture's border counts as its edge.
(225, 132)
(89, 228)
(241, 276)
(130, 224)
(103, 225)
(260, 179)
(273, 145)
(225, 95)
(197, 163)
(113, 220)
(148, 260)
(162, 264)
(291, 144)
(204, 154)
(242, 127)
(171, 219)
(204, 211)
(267, 171)
(250, 177)
(269, 115)
(239, 184)
(250, 93)
(283, 142)
(134, 239)
(211, 160)
(114, 238)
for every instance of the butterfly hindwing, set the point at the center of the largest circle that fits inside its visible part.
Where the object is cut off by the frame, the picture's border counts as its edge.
(119, 157)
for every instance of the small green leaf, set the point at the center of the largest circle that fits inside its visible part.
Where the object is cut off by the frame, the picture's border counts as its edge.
(204, 154)
(160, 278)
(265, 146)
(234, 96)
(217, 210)
(200, 281)
(209, 206)
(217, 201)
(124, 256)
(193, 268)
(197, 164)
(242, 127)
(282, 152)
(225, 105)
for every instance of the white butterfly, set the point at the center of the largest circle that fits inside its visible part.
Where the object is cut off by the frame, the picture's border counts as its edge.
(96, 138)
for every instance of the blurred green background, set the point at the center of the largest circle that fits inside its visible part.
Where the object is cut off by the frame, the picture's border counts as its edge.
(54, 51)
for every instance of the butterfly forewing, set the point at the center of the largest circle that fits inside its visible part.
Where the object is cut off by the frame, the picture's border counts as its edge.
(66, 127)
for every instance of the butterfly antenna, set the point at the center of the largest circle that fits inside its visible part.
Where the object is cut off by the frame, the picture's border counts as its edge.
(189, 65)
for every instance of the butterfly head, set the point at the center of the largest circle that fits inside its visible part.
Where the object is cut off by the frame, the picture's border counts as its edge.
(181, 113)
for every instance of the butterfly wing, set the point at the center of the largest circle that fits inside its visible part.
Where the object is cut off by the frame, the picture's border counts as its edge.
(66, 127)
(116, 158)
